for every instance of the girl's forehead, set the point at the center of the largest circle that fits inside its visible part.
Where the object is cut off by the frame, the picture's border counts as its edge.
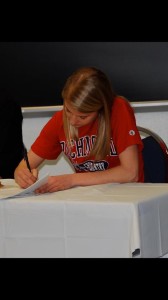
(76, 112)
(72, 109)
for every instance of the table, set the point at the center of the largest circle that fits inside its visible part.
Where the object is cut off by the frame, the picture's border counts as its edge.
(100, 221)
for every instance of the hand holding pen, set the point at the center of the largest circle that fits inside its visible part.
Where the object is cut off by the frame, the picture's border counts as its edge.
(25, 177)
(26, 158)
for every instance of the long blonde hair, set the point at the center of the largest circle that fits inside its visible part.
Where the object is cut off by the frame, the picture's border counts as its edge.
(88, 90)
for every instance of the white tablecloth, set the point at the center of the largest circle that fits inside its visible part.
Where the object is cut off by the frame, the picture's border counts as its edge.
(110, 220)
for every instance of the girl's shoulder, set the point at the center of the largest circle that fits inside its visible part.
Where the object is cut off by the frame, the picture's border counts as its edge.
(57, 117)
(58, 114)
(121, 109)
(55, 122)
(121, 101)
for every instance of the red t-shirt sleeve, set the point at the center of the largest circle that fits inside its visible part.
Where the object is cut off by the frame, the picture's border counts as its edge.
(47, 145)
(124, 130)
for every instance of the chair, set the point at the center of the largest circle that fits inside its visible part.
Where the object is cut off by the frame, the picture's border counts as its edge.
(155, 155)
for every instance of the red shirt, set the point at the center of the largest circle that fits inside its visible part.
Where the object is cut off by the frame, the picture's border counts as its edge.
(51, 141)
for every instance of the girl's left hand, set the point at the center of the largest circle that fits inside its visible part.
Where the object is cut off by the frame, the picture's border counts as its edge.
(56, 183)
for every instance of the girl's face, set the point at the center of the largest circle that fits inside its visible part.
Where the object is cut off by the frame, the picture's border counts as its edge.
(78, 119)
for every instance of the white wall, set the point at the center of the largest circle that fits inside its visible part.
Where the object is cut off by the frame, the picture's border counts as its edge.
(154, 118)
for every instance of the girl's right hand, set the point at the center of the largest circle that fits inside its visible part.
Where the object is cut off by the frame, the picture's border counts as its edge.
(24, 178)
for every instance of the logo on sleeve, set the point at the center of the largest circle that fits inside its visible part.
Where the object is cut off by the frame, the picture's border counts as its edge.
(131, 132)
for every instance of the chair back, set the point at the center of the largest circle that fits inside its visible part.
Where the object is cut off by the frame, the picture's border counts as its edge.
(155, 156)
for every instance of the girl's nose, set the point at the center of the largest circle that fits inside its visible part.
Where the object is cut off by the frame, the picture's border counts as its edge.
(73, 120)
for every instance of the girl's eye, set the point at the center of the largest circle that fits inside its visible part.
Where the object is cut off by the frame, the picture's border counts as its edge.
(82, 117)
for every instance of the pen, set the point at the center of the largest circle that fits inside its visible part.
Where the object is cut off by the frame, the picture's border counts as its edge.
(26, 158)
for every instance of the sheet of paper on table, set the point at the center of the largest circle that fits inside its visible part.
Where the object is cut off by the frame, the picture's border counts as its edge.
(11, 189)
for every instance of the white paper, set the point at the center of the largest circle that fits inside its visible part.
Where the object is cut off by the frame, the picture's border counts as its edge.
(12, 190)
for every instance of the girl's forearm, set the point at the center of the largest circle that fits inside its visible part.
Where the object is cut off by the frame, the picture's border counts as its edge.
(115, 175)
